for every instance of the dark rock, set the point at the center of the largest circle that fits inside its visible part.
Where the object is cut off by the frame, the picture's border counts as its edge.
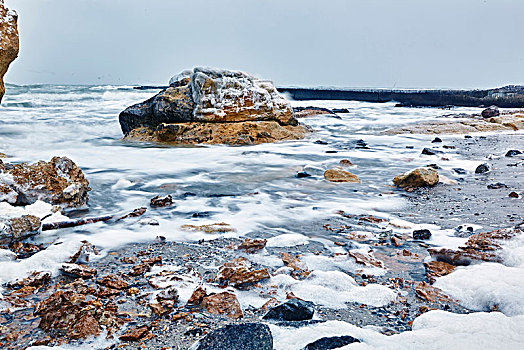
(159, 201)
(320, 142)
(430, 151)
(513, 153)
(422, 234)
(468, 137)
(340, 110)
(246, 336)
(436, 139)
(460, 171)
(433, 166)
(491, 112)
(482, 168)
(513, 195)
(302, 174)
(331, 343)
(497, 186)
(293, 310)
(361, 144)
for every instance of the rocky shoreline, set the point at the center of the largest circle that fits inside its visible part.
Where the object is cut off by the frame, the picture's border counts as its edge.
(173, 295)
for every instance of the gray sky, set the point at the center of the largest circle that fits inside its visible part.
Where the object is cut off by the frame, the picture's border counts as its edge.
(364, 43)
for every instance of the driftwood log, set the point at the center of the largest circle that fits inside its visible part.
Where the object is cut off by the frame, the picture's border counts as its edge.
(85, 221)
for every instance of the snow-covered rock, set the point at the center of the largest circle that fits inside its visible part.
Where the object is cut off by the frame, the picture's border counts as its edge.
(207, 105)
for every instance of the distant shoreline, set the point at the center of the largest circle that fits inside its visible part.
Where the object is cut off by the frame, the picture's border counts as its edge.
(506, 97)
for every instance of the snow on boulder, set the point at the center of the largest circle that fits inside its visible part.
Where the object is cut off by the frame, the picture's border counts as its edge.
(212, 106)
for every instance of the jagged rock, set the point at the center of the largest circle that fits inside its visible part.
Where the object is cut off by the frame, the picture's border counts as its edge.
(239, 273)
(9, 43)
(491, 112)
(435, 269)
(224, 303)
(293, 310)
(160, 201)
(136, 333)
(331, 343)
(198, 296)
(303, 112)
(252, 245)
(35, 279)
(213, 106)
(13, 230)
(420, 177)
(83, 253)
(59, 181)
(246, 336)
(338, 175)
(112, 281)
(76, 270)
(479, 247)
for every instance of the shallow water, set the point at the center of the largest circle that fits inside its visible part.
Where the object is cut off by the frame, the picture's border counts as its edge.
(252, 188)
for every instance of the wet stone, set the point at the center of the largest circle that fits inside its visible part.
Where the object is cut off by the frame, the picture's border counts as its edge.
(161, 201)
(76, 270)
(224, 303)
(497, 186)
(422, 234)
(247, 336)
(331, 343)
(293, 310)
(482, 168)
(513, 153)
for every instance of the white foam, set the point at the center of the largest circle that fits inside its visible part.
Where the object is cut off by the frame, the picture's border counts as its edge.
(287, 240)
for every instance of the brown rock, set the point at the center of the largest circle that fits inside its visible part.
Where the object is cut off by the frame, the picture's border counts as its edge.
(345, 162)
(366, 260)
(303, 112)
(161, 201)
(431, 294)
(9, 44)
(76, 270)
(252, 245)
(162, 308)
(300, 269)
(86, 326)
(112, 281)
(421, 177)
(435, 269)
(14, 230)
(198, 296)
(220, 227)
(59, 181)
(83, 253)
(338, 175)
(35, 279)
(135, 334)
(224, 303)
(213, 106)
(238, 273)
(479, 247)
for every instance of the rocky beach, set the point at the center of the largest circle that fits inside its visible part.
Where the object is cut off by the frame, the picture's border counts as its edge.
(219, 213)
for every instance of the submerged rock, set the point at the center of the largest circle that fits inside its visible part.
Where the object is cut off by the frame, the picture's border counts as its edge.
(246, 336)
(338, 175)
(59, 181)
(14, 230)
(293, 310)
(213, 106)
(420, 177)
(9, 43)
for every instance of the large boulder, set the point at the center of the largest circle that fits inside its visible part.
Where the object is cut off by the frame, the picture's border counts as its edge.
(8, 42)
(59, 181)
(212, 106)
(16, 229)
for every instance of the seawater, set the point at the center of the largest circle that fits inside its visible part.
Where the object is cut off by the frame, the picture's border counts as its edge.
(252, 188)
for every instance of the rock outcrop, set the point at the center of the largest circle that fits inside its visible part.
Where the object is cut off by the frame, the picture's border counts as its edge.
(215, 107)
(14, 230)
(59, 181)
(8, 42)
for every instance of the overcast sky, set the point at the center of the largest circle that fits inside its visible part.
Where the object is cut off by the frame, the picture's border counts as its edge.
(352, 43)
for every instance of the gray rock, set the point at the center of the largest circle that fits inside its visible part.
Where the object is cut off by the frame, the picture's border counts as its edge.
(422, 234)
(491, 112)
(246, 336)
